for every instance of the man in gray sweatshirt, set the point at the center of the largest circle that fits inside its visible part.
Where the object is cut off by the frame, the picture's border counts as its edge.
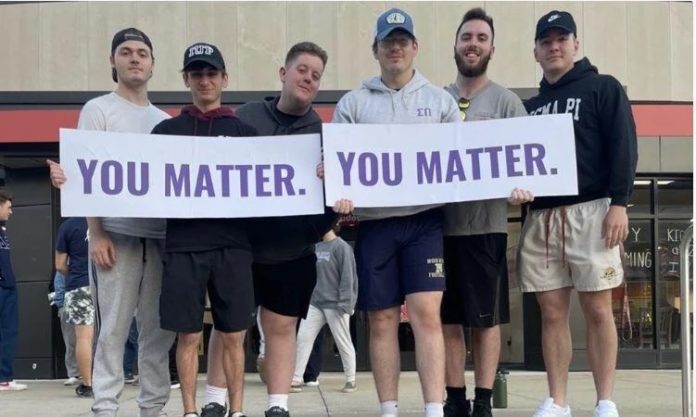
(333, 302)
(399, 249)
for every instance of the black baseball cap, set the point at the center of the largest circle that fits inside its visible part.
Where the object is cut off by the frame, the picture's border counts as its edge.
(203, 52)
(130, 34)
(555, 19)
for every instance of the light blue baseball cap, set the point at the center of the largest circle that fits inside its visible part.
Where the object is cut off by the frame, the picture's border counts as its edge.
(391, 20)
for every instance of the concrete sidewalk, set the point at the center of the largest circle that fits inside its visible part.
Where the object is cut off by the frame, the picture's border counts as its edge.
(642, 393)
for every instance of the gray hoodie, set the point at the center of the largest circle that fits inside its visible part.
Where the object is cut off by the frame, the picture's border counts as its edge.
(337, 280)
(419, 101)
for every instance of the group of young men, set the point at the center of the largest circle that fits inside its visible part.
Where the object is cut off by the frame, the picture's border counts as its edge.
(162, 271)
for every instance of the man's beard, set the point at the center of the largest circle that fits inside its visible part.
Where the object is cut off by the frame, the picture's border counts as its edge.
(471, 72)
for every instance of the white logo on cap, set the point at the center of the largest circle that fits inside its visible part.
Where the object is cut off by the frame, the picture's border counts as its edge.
(553, 17)
(200, 50)
(396, 18)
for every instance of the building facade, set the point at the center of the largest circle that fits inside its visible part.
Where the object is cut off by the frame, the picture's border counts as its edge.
(59, 59)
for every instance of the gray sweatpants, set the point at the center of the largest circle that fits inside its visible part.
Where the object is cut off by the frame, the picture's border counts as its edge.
(68, 331)
(131, 287)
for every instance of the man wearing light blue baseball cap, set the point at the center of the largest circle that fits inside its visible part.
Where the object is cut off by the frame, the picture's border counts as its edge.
(399, 249)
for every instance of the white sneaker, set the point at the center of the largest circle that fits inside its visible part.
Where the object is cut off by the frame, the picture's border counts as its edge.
(296, 386)
(12, 386)
(73, 380)
(606, 408)
(549, 409)
(314, 383)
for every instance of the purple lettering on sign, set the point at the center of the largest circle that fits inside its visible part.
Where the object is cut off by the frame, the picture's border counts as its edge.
(144, 179)
(475, 163)
(346, 165)
(428, 170)
(511, 159)
(204, 182)
(386, 171)
(181, 183)
(225, 171)
(368, 175)
(455, 167)
(262, 179)
(283, 175)
(111, 170)
(493, 152)
(244, 179)
(87, 172)
(534, 155)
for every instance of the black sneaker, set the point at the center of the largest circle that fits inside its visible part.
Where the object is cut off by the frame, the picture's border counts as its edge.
(481, 410)
(456, 409)
(83, 390)
(213, 410)
(277, 412)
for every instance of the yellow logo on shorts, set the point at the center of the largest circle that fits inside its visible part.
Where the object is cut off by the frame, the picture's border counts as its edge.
(439, 268)
(608, 273)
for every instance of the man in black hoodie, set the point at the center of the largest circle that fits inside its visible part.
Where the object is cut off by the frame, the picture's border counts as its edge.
(212, 255)
(284, 262)
(573, 241)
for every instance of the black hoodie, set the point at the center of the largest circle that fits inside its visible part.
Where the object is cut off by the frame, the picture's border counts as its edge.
(605, 133)
(193, 235)
(280, 239)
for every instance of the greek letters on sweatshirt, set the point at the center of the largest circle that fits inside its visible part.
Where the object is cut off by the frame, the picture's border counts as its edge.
(419, 101)
(191, 235)
(605, 133)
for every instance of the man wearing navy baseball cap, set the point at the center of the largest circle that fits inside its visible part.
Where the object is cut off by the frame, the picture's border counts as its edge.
(578, 237)
(399, 251)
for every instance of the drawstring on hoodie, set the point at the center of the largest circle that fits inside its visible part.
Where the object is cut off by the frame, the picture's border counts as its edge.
(547, 232)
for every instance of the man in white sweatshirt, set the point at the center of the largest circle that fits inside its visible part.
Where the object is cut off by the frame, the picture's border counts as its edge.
(399, 249)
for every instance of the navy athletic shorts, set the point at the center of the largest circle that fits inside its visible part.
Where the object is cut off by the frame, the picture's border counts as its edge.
(399, 256)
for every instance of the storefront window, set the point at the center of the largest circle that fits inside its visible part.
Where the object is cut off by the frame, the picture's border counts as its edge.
(670, 234)
(641, 198)
(675, 197)
(632, 302)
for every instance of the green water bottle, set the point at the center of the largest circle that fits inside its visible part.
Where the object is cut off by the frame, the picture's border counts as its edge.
(500, 389)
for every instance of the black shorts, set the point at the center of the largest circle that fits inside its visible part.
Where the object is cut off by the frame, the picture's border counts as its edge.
(477, 281)
(225, 274)
(286, 288)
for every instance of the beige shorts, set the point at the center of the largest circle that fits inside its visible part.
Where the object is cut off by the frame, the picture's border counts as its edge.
(563, 247)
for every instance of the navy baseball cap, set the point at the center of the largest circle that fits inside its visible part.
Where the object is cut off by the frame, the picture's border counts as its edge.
(555, 19)
(203, 52)
(130, 34)
(391, 20)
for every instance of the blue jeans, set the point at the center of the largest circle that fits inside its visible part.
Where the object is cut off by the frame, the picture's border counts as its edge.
(8, 331)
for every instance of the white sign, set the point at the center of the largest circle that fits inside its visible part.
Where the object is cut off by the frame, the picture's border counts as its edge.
(416, 164)
(141, 175)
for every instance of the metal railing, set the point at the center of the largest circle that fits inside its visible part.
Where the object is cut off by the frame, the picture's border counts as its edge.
(686, 322)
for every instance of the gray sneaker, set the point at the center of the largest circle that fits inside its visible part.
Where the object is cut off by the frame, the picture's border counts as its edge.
(349, 387)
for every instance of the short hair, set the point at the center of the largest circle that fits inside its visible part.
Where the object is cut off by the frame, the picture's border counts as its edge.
(5, 196)
(476, 13)
(306, 47)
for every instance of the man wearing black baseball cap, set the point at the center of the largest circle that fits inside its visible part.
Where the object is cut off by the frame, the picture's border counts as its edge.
(126, 264)
(206, 255)
(578, 237)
